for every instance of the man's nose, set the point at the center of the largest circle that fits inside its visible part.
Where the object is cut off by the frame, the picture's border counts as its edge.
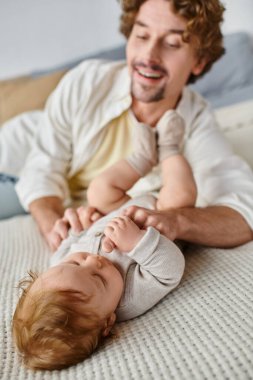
(151, 53)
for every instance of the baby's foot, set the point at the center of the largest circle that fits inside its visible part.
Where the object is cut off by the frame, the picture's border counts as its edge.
(124, 233)
(170, 129)
(144, 155)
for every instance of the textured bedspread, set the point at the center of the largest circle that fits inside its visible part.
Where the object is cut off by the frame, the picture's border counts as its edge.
(202, 330)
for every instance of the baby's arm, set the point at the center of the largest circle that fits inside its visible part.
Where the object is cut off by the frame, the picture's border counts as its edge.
(108, 191)
(158, 269)
(178, 185)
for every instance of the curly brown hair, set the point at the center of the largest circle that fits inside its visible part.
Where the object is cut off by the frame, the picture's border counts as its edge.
(203, 17)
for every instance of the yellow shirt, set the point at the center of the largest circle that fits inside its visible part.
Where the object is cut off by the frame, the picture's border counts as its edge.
(115, 146)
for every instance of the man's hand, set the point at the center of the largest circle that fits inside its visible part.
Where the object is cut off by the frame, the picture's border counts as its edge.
(165, 222)
(76, 219)
(88, 215)
(61, 227)
(214, 226)
(46, 211)
(123, 233)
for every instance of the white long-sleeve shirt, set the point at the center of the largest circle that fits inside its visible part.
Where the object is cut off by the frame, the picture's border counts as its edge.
(151, 270)
(72, 129)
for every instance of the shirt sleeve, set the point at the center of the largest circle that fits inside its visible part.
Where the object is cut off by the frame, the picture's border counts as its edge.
(158, 269)
(47, 165)
(222, 177)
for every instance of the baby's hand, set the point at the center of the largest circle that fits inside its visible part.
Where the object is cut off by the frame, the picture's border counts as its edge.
(88, 215)
(123, 233)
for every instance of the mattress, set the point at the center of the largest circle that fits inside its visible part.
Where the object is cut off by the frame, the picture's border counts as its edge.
(202, 330)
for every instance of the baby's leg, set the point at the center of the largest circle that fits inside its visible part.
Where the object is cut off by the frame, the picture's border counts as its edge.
(123, 233)
(179, 188)
(107, 192)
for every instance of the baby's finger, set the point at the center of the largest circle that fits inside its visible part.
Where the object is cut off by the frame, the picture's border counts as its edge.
(137, 214)
(115, 224)
(107, 244)
(120, 220)
(72, 217)
(109, 229)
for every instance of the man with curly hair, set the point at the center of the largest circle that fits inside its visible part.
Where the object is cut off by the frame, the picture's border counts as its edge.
(88, 121)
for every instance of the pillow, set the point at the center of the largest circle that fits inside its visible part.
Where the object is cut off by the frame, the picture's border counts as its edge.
(116, 54)
(236, 122)
(235, 95)
(26, 94)
(30, 93)
(233, 71)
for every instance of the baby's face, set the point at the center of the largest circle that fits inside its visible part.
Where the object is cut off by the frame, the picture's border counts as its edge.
(88, 274)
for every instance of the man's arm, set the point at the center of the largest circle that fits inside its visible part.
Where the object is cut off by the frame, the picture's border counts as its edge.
(224, 183)
(216, 226)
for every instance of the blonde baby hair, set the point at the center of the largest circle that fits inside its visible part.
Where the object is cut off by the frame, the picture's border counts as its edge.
(54, 329)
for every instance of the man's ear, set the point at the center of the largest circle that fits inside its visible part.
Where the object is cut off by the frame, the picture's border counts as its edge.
(108, 324)
(199, 66)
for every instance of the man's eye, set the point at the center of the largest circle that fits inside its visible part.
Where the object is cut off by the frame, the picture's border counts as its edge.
(172, 43)
(141, 37)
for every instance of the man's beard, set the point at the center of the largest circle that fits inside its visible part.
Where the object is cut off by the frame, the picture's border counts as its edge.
(147, 94)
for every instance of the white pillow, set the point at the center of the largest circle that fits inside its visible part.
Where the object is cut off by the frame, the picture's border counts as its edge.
(236, 122)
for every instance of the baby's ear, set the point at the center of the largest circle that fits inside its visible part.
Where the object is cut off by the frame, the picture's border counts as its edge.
(109, 323)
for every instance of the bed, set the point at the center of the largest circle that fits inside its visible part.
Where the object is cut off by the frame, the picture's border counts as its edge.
(203, 329)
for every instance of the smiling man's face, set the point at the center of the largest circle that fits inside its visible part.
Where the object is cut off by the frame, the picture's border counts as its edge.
(159, 62)
(87, 274)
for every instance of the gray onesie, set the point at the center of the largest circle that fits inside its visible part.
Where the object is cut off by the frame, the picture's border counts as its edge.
(150, 271)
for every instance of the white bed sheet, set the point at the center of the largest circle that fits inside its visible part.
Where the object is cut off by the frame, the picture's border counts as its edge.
(202, 330)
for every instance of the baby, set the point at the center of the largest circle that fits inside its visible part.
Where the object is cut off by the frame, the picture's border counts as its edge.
(66, 311)
(113, 270)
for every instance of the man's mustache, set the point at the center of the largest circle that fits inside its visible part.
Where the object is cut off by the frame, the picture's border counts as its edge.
(152, 66)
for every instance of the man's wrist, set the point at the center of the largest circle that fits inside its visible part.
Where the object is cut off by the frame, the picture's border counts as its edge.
(214, 226)
(46, 211)
(184, 224)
